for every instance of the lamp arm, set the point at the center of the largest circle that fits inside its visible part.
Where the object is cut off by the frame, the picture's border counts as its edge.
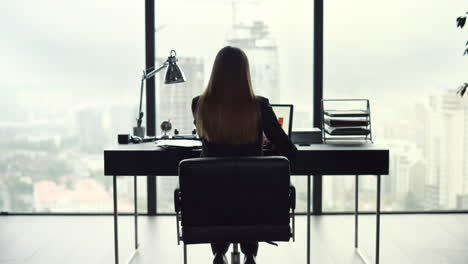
(152, 73)
(143, 78)
(140, 113)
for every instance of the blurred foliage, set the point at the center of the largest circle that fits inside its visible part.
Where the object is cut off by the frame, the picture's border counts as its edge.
(461, 21)
(22, 190)
(98, 175)
(47, 145)
(30, 162)
(462, 89)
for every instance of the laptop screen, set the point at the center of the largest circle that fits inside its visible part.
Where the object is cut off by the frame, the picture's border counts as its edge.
(284, 113)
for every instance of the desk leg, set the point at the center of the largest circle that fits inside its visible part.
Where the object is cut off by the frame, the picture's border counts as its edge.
(116, 228)
(136, 210)
(308, 219)
(356, 212)
(377, 224)
(377, 231)
(185, 253)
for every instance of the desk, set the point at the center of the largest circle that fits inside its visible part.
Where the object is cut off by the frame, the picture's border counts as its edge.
(317, 159)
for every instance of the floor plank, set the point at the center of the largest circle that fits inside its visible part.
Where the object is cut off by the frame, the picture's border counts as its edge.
(89, 239)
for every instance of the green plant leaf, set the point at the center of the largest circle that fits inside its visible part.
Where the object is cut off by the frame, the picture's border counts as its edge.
(461, 22)
(466, 52)
(462, 89)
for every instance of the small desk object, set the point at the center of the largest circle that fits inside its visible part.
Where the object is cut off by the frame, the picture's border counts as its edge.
(318, 159)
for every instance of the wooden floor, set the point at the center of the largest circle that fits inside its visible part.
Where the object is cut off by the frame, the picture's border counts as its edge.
(424, 239)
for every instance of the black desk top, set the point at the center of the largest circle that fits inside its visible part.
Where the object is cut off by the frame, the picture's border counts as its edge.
(332, 146)
(316, 159)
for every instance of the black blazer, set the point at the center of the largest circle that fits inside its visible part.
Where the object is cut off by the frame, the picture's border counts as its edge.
(270, 126)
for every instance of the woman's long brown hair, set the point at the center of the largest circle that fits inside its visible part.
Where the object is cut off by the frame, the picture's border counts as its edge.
(227, 111)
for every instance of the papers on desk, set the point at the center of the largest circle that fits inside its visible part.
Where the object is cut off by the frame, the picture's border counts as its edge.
(178, 143)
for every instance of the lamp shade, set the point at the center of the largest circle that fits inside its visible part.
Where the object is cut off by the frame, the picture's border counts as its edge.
(173, 74)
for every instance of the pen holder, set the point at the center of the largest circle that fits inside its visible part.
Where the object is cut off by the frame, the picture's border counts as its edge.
(139, 131)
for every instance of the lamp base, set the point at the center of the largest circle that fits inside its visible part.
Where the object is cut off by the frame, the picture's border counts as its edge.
(139, 131)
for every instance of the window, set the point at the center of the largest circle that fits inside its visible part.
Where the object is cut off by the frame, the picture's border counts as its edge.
(69, 85)
(280, 56)
(406, 58)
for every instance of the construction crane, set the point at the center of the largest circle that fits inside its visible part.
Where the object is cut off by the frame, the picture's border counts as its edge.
(234, 4)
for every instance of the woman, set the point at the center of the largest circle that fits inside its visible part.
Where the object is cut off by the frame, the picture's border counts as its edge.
(231, 120)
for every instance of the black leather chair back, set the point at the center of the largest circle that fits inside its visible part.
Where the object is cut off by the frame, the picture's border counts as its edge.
(235, 199)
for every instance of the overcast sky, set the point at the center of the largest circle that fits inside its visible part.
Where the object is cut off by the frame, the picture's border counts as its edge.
(79, 52)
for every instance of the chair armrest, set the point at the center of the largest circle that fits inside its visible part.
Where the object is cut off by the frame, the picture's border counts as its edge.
(292, 197)
(177, 200)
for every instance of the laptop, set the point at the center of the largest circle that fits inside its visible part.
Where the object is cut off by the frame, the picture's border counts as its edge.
(284, 113)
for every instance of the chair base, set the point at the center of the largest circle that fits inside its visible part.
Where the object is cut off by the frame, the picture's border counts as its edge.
(235, 255)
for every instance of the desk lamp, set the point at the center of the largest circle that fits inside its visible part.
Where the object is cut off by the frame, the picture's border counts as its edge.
(173, 75)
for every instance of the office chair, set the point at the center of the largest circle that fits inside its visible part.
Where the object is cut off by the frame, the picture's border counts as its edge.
(234, 200)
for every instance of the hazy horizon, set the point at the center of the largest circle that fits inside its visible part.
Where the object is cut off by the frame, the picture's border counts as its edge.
(97, 48)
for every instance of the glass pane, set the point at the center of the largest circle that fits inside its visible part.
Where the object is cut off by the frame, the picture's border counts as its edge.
(300, 183)
(280, 54)
(69, 85)
(406, 58)
(165, 193)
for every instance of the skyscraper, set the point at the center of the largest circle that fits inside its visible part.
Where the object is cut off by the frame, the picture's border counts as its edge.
(174, 103)
(255, 40)
(405, 160)
(90, 130)
(174, 100)
(446, 147)
(121, 120)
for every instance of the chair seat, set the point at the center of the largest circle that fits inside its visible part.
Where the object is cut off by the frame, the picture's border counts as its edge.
(235, 234)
